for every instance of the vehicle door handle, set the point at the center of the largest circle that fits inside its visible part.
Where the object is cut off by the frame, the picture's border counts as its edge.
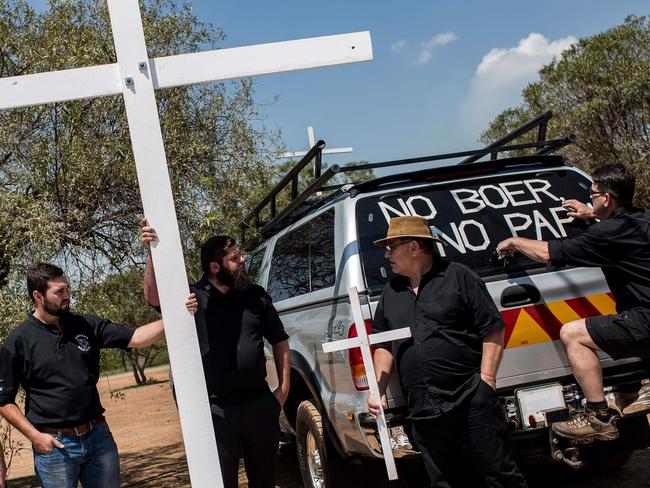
(518, 295)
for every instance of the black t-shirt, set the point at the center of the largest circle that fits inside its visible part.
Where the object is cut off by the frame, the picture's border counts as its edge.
(58, 369)
(620, 245)
(450, 316)
(231, 328)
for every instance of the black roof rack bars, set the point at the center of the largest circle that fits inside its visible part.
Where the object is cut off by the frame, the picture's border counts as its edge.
(540, 121)
(318, 183)
(313, 187)
(547, 148)
(292, 177)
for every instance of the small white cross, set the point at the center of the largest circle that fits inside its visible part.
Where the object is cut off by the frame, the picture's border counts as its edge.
(363, 341)
(135, 76)
(311, 140)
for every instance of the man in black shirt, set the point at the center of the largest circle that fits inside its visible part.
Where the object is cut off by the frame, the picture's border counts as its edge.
(620, 245)
(448, 368)
(54, 356)
(234, 317)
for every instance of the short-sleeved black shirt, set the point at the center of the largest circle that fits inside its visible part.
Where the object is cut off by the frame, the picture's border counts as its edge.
(231, 328)
(58, 369)
(620, 245)
(450, 316)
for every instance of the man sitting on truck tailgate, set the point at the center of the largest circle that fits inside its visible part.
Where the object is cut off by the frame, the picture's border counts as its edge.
(448, 369)
(620, 245)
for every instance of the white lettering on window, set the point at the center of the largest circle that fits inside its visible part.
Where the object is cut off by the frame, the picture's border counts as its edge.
(479, 226)
(514, 228)
(540, 223)
(385, 209)
(510, 193)
(473, 198)
(431, 209)
(504, 200)
(544, 186)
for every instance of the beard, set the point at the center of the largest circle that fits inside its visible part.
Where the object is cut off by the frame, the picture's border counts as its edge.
(56, 310)
(238, 281)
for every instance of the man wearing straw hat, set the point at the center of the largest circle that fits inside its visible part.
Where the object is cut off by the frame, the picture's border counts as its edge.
(448, 367)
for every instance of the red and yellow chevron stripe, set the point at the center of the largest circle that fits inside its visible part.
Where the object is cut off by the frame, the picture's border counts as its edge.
(526, 326)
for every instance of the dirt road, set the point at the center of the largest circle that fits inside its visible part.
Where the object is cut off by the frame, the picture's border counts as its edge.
(146, 428)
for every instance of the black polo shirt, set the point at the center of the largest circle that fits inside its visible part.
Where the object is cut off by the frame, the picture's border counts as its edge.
(231, 328)
(620, 245)
(58, 369)
(439, 366)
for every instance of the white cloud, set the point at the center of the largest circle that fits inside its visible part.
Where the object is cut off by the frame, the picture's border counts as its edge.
(398, 46)
(422, 54)
(523, 60)
(503, 73)
(427, 47)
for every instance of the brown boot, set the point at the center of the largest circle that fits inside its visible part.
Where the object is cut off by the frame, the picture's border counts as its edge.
(587, 427)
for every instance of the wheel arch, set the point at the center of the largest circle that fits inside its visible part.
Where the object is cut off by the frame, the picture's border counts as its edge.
(304, 386)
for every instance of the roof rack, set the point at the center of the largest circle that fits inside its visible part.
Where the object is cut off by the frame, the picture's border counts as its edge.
(292, 177)
(540, 121)
(320, 178)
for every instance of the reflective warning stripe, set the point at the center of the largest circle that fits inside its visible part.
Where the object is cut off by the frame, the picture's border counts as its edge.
(535, 324)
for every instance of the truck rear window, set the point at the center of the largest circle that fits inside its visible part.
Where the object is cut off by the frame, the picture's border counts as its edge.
(473, 217)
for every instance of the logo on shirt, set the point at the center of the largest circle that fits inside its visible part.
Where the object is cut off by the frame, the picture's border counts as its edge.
(82, 342)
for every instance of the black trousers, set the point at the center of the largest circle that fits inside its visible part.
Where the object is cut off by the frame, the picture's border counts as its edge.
(476, 432)
(247, 428)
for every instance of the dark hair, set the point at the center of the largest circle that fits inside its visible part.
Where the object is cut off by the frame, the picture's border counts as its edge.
(214, 250)
(617, 180)
(38, 275)
(426, 245)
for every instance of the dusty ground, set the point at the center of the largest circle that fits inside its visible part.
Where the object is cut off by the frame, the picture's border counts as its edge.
(146, 428)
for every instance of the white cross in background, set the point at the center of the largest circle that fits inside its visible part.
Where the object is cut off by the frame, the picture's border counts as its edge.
(363, 341)
(136, 77)
(312, 142)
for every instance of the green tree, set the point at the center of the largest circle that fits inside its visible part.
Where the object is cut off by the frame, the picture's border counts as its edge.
(67, 176)
(599, 90)
(68, 187)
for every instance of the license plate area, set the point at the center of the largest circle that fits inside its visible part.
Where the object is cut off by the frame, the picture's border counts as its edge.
(534, 402)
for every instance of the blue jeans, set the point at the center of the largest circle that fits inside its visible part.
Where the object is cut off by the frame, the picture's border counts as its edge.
(91, 459)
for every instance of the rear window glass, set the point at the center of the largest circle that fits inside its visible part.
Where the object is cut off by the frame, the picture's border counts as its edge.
(472, 218)
(254, 264)
(303, 259)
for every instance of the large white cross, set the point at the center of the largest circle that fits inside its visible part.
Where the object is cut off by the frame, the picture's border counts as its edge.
(136, 77)
(311, 140)
(363, 341)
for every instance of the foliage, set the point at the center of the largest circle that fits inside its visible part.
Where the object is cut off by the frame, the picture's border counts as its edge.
(599, 90)
(68, 187)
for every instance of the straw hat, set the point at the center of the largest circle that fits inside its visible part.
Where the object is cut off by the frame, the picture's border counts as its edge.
(413, 227)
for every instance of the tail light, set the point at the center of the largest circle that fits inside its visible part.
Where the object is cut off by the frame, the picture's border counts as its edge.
(357, 368)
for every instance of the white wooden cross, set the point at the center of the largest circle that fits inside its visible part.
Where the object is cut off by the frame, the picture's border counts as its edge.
(363, 341)
(312, 142)
(136, 77)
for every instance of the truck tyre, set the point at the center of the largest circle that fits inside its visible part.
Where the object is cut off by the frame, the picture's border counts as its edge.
(314, 458)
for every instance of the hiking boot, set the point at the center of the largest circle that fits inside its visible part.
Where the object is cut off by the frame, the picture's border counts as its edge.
(586, 427)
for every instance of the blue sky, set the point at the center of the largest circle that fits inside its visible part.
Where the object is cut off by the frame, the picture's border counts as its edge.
(423, 93)
(441, 70)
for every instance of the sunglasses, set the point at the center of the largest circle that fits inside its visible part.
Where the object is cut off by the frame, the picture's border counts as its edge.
(392, 247)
